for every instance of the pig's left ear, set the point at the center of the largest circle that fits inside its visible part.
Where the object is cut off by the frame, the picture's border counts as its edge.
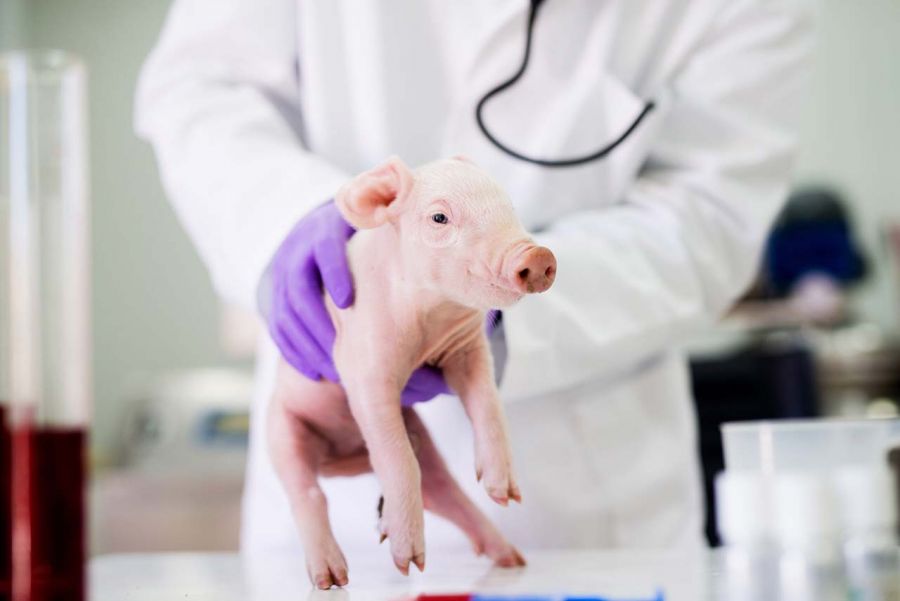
(372, 198)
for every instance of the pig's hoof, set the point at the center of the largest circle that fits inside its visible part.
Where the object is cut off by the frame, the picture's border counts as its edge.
(404, 552)
(507, 558)
(406, 532)
(493, 468)
(403, 562)
(503, 554)
(501, 487)
(488, 541)
(495, 546)
(328, 568)
(402, 559)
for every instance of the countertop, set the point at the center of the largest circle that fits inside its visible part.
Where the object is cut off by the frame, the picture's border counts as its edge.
(638, 576)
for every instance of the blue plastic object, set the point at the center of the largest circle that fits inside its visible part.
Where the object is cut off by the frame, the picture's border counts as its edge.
(659, 597)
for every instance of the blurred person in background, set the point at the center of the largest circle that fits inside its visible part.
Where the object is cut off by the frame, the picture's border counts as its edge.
(259, 110)
(812, 260)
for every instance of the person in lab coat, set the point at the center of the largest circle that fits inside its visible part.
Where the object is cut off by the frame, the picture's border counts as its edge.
(259, 110)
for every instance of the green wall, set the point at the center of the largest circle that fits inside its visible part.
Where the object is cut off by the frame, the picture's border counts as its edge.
(13, 24)
(851, 130)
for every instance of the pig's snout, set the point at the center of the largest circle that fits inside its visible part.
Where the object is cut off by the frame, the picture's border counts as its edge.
(535, 270)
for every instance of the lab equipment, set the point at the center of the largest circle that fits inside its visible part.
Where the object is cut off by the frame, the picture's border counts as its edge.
(808, 445)
(771, 377)
(808, 537)
(177, 484)
(821, 494)
(750, 557)
(869, 514)
(46, 355)
(506, 84)
(188, 421)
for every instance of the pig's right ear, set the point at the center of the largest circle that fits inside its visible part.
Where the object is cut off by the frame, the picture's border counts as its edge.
(373, 197)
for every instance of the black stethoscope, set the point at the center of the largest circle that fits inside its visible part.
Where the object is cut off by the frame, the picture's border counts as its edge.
(571, 162)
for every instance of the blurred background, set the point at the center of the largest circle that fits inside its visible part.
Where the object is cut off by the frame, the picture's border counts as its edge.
(817, 335)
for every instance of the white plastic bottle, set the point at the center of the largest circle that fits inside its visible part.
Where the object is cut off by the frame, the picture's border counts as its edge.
(869, 517)
(808, 536)
(750, 559)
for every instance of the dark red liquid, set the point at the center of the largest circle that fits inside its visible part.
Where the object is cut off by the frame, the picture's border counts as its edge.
(5, 509)
(44, 529)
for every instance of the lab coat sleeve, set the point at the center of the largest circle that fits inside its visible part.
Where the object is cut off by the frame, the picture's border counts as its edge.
(215, 99)
(636, 279)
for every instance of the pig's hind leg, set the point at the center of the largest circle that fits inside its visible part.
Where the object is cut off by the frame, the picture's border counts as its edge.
(443, 496)
(297, 451)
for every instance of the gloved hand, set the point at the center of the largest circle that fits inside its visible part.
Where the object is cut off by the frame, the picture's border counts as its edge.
(313, 256)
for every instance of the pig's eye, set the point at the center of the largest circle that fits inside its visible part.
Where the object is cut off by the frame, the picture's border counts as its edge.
(440, 218)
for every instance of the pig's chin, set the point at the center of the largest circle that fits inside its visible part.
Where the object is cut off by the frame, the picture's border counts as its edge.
(485, 294)
(501, 298)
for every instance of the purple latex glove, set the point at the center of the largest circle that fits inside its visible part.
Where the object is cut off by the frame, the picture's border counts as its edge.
(313, 256)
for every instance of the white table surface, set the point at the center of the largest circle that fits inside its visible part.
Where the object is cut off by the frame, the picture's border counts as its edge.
(229, 577)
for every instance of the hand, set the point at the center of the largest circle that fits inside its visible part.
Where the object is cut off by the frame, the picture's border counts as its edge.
(313, 256)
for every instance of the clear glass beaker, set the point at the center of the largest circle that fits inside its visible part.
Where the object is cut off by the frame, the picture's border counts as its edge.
(44, 325)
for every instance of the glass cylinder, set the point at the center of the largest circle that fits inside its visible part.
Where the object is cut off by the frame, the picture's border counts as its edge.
(44, 322)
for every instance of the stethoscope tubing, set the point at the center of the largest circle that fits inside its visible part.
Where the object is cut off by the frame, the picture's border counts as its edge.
(567, 162)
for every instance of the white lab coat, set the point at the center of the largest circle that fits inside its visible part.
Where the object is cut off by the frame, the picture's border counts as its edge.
(260, 109)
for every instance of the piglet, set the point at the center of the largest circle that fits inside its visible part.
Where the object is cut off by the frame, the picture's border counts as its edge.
(436, 249)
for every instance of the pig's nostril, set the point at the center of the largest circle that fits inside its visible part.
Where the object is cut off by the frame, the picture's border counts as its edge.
(551, 271)
(523, 274)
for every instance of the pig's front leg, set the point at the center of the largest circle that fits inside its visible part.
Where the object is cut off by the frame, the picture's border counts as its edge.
(470, 373)
(444, 497)
(375, 403)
